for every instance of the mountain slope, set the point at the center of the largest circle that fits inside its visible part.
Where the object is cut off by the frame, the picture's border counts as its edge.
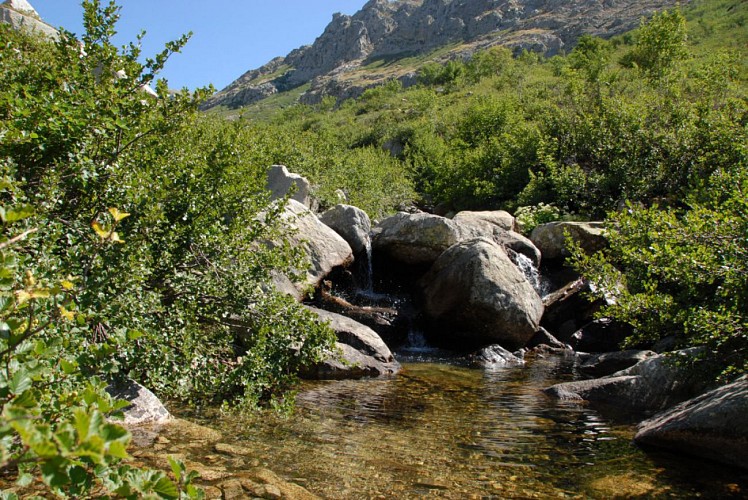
(393, 30)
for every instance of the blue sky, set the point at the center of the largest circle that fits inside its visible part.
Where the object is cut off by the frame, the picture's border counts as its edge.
(230, 36)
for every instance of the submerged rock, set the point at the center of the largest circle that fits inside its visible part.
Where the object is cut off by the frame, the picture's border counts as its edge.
(652, 385)
(494, 357)
(474, 290)
(713, 425)
(361, 352)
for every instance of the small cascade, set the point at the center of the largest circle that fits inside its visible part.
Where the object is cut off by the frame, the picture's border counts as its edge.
(532, 274)
(367, 285)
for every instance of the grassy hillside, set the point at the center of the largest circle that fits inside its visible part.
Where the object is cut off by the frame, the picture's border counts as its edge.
(583, 132)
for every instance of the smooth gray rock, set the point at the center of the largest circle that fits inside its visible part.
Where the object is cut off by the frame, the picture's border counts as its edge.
(324, 247)
(145, 407)
(474, 290)
(281, 181)
(362, 353)
(550, 239)
(652, 385)
(352, 223)
(498, 218)
(496, 226)
(494, 357)
(713, 425)
(609, 363)
(415, 238)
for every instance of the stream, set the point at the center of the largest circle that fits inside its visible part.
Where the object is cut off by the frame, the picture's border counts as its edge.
(440, 430)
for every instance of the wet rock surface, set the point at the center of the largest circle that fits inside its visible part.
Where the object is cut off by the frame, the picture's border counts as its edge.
(493, 357)
(652, 385)
(475, 291)
(361, 352)
(713, 425)
(609, 363)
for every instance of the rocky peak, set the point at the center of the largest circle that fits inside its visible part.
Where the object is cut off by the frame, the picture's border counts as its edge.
(21, 6)
(392, 29)
(22, 16)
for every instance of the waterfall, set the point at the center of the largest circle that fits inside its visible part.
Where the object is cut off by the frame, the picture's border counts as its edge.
(532, 274)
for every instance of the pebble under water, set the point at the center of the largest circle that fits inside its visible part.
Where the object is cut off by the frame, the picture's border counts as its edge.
(444, 431)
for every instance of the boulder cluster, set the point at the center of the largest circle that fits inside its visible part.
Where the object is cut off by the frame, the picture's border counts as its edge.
(476, 295)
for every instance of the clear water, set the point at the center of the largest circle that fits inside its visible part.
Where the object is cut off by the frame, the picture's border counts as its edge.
(443, 431)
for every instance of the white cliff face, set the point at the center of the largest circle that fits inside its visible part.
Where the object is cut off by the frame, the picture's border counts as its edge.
(22, 6)
(22, 16)
(391, 29)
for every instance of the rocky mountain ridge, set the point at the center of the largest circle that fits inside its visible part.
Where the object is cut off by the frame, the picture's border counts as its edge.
(22, 16)
(385, 30)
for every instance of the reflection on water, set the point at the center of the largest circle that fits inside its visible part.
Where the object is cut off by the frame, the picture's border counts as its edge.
(450, 432)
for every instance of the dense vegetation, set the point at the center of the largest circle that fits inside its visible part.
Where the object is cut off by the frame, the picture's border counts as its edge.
(134, 228)
(133, 245)
(647, 129)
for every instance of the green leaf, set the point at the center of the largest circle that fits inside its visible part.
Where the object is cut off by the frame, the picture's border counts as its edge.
(177, 467)
(134, 335)
(26, 400)
(82, 423)
(112, 432)
(118, 449)
(20, 382)
(17, 213)
(68, 367)
(54, 472)
(166, 488)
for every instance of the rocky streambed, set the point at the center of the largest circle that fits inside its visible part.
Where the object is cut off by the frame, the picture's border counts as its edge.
(463, 371)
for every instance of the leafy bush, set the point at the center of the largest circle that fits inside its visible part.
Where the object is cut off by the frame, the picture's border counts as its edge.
(683, 273)
(133, 245)
(529, 217)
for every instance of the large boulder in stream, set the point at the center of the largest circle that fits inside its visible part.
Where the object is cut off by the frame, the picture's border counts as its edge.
(652, 385)
(551, 240)
(361, 352)
(497, 226)
(352, 224)
(418, 238)
(495, 218)
(324, 248)
(712, 425)
(474, 290)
